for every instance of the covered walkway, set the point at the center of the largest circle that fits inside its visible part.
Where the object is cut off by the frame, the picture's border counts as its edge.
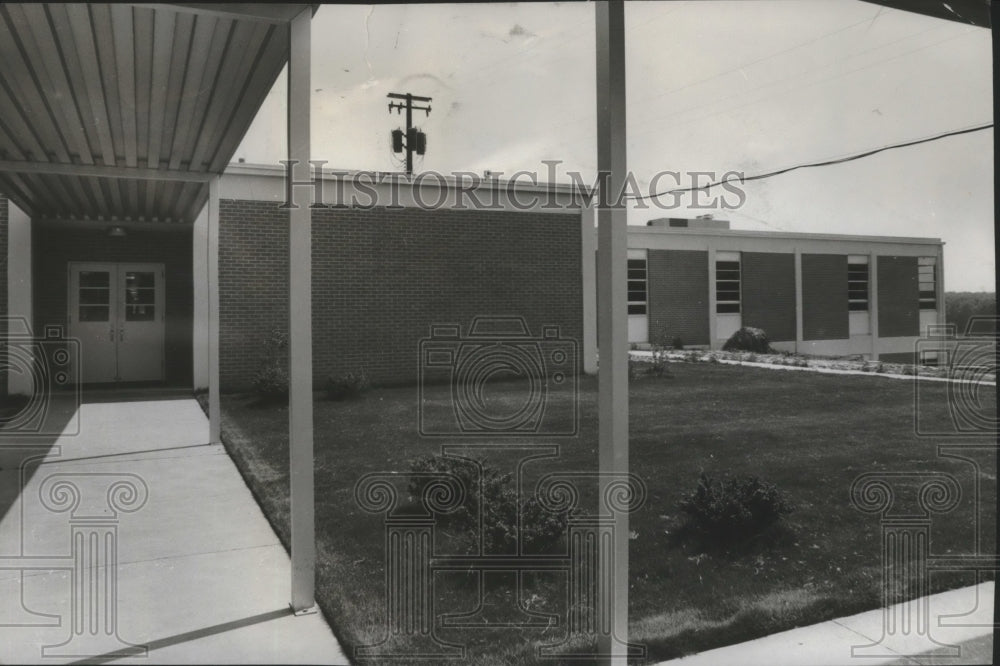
(194, 573)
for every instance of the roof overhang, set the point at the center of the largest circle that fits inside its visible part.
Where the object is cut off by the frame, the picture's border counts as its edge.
(971, 12)
(125, 111)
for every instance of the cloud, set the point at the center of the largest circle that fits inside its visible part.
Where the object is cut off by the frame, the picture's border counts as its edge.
(519, 31)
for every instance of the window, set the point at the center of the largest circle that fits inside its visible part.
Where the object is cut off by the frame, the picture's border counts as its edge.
(857, 283)
(637, 286)
(727, 282)
(931, 357)
(140, 296)
(927, 276)
(94, 296)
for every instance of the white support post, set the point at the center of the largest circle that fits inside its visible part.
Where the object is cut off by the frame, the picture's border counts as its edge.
(613, 321)
(798, 302)
(19, 288)
(939, 285)
(588, 252)
(873, 302)
(713, 315)
(214, 407)
(300, 396)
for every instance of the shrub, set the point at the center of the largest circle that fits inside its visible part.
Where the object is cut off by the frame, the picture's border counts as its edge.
(271, 380)
(748, 339)
(733, 507)
(960, 306)
(497, 495)
(659, 367)
(678, 343)
(348, 385)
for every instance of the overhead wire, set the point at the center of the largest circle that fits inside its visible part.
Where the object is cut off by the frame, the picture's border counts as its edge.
(810, 165)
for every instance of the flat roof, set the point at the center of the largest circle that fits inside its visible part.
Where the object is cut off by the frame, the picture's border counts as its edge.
(426, 179)
(788, 235)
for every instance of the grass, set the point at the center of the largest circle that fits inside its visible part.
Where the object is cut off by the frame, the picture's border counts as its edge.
(810, 434)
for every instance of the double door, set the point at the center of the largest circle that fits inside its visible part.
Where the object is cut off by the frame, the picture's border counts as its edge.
(116, 313)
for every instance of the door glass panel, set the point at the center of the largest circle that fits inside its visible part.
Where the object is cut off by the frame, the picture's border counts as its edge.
(140, 296)
(94, 313)
(98, 279)
(94, 296)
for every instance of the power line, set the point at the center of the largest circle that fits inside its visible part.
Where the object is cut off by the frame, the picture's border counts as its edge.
(810, 165)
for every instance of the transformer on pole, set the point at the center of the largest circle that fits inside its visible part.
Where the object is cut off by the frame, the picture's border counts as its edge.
(412, 140)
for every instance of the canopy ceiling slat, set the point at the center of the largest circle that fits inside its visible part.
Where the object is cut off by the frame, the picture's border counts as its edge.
(242, 50)
(30, 22)
(265, 67)
(123, 111)
(20, 85)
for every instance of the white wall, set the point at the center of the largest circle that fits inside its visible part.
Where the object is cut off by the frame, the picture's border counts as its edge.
(199, 280)
(18, 283)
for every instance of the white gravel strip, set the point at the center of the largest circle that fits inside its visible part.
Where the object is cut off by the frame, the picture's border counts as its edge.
(829, 371)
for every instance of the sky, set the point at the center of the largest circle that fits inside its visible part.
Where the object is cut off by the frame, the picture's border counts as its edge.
(712, 85)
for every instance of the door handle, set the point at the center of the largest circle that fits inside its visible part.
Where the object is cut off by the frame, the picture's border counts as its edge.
(111, 335)
(121, 334)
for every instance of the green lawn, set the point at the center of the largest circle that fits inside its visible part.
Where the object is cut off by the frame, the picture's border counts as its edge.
(810, 434)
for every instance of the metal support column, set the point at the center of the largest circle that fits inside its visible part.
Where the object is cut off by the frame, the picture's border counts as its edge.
(300, 396)
(214, 408)
(613, 320)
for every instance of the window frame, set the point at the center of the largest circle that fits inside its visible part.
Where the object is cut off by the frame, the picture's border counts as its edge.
(724, 282)
(927, 277)
(636, 306)
(854, 268)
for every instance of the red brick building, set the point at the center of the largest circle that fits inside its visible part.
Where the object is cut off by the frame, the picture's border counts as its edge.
(405, 258)
(408, 256)
(838, 295)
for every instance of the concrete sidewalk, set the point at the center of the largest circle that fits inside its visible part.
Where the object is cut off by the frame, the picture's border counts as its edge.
(961, 632)
(201, 576)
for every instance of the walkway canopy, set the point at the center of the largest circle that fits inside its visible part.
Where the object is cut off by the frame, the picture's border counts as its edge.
(125, 111)
(129, 113)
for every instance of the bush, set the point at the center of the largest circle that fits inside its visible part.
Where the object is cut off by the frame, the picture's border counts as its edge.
(541, 530)
(678, 343)
(347, 386)
(748, 339)
(271, 380)
(960, 306)
(733, 507)
(659, 367)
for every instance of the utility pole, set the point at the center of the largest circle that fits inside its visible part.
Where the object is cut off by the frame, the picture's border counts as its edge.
(416, 141)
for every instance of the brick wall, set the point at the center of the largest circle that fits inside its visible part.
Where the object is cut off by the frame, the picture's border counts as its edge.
(768, 299)
(382, 277)
(677, 296)
(898, 297)
(54, 248)
(824, 297)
